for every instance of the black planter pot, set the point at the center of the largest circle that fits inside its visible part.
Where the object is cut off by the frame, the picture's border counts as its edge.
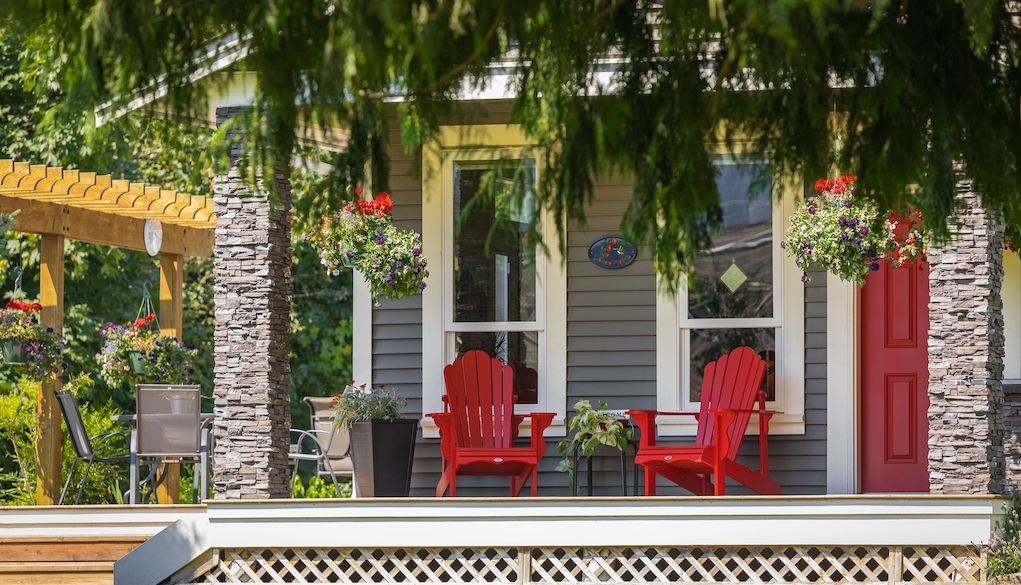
(383, 452)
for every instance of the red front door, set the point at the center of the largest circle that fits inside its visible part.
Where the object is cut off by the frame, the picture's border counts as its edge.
(895, 379)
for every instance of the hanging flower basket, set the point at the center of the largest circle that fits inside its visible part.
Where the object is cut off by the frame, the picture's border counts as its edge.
(834, 229)
(362, 236)
(137, 354)
(13, 351)
(24, 341)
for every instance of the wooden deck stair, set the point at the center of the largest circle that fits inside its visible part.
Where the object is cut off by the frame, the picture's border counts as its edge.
(59, 560)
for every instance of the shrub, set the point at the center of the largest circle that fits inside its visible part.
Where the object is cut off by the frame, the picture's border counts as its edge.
(361, 403)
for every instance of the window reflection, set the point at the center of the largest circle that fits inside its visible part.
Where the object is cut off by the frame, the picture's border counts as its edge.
(494, 262)
(734, 277)
(708, 345)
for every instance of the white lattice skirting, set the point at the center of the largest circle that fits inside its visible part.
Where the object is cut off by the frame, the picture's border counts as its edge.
(793, 539)
(792, 564)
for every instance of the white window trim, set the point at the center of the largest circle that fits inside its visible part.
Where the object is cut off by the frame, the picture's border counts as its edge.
(789, 315)
(1011, 290)
(483, 142)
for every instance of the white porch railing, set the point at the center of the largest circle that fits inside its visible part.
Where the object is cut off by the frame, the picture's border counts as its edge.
(856, 539)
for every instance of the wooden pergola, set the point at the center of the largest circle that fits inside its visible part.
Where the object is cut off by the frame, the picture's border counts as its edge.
(61, 204)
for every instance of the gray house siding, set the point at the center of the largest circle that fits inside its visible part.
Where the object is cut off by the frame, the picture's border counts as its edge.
(611, 342)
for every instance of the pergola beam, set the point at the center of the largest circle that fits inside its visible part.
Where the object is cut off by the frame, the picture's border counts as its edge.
(88, 225)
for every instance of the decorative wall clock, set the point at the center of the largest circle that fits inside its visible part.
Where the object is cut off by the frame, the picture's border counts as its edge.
(612, 252)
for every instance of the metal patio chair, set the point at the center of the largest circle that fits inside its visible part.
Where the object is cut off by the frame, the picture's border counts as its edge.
(328, 446)
(84, 445)
(168, 427)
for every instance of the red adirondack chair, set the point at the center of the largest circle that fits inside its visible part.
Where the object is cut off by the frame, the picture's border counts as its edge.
(730, 388)
(478, 426)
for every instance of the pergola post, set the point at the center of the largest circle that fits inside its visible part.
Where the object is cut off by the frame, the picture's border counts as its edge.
(49, 437)
(171, 324)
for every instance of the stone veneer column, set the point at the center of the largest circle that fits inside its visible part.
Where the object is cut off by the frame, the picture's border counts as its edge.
(252, 381)
(966, 355)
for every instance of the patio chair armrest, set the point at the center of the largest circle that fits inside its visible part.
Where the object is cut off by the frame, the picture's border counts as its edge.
(101, 439)
(446, 423)
(540, 422)
(308, 434)
(645, 420)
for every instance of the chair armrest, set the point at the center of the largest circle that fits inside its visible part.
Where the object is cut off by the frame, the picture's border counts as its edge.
(101, 439)
(309, 434)
(540, 422)
(645, 420)
(446, 423)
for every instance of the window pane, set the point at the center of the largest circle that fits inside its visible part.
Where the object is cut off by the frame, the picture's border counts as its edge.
(518, 349)
(708, 345)
(494, 266)
(734, 277)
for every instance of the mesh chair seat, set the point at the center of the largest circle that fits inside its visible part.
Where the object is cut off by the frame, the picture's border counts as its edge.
(329, 446)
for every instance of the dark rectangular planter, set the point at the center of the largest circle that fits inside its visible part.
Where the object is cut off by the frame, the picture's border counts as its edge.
(383, 452)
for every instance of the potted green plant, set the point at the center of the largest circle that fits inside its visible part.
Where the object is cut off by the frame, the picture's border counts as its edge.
(382, 442)
(591, 427)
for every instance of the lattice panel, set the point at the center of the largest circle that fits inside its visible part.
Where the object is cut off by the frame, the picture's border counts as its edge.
(620, 565)
(793, 564)
(482, 565)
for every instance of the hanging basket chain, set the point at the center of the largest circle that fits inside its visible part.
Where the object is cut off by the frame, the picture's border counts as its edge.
(147, 308)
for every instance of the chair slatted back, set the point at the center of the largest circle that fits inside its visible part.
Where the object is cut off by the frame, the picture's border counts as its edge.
(731, 382)
(480, 393)
(75, 426)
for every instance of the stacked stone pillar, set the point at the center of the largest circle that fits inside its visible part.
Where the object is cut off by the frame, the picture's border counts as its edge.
(966, 354)
(252, 266)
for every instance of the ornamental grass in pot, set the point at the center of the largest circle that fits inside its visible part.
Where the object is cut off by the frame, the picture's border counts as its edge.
(382, 442)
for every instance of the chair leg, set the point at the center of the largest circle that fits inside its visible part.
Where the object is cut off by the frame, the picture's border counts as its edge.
(453, 482)
(133, 471)
(535, 481)
(81, 486)
(650, 482)
(719, 481)
(67, 482)
(203, 467)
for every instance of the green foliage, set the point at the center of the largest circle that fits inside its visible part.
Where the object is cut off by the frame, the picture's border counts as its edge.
(591, 427)
(1004, 554)
(919, 85)
(362, 403)
(317, 487)
(17, 437)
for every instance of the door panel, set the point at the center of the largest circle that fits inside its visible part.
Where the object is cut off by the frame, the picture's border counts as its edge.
(894, 379)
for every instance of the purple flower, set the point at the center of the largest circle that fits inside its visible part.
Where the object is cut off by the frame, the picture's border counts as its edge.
(380, 239)
(804, 245)
(783, 245)
(49, 329)
(864, 230)
(416, 251)
(847, 203)
(844, 235)
(874, 266)
(399, 264)
(811, 209)
(350, 254)
(857, 241)
(421, 286)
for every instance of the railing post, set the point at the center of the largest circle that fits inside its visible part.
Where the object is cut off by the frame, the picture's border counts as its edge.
(524, 565)
(895, 565)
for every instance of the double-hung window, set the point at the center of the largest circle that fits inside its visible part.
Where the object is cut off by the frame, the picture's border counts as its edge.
(744, 292)
(491, 287)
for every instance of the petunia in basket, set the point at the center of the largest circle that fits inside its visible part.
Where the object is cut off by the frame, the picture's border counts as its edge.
(24, 340)
(137, 354)
(363, 236)
(840, 232)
